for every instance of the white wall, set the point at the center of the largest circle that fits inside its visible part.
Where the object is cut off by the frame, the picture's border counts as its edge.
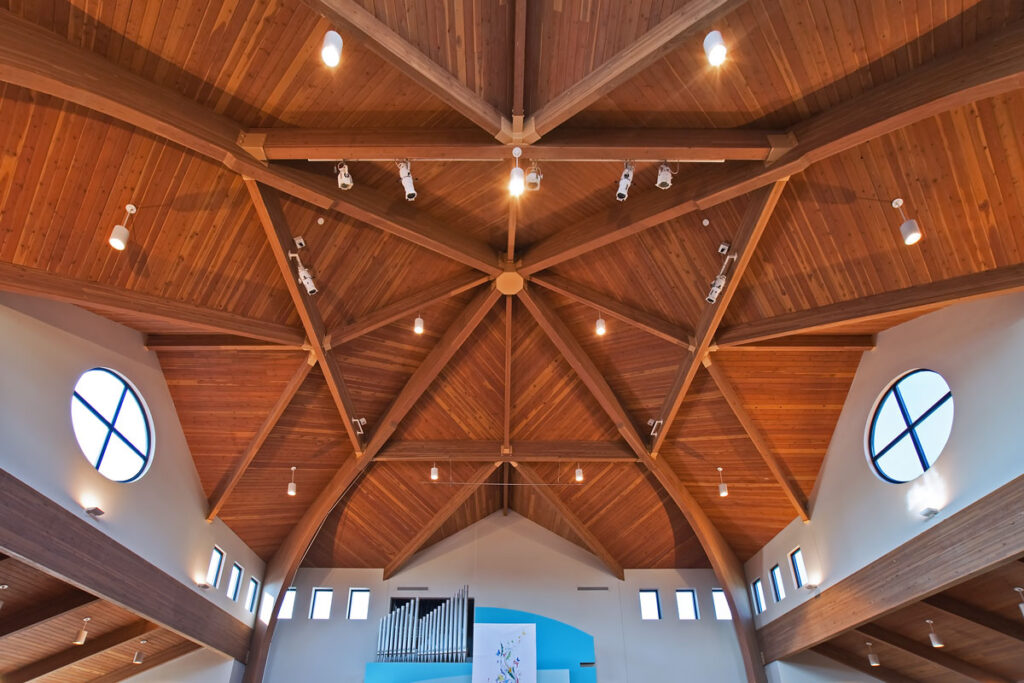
(857, 517)
(510, 562)
(44, 348)
(201, 666)
(810, 667)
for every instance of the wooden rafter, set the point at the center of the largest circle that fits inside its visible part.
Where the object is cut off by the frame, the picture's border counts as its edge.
(406, 308)
(414, 64)
(33, 282)
(453, 503)
(917, 298)
(215, 342)
(37, 59)
(51, 608)
(151, 661)
(987, 68)
(230, 480)
(723, 560)
(654, 44)
(522, 451)
(925, 651)
(506, 444)
(513, 222)
(775, 464)
(268, 208)
(859, 662)
(807, 342)
(572, 519)
(977, 616)
(755, 219)
(518, 68)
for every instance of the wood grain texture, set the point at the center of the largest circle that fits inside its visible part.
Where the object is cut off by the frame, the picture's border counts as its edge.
(152, 660)
(860, 663)
(53, 607)
(925, 651)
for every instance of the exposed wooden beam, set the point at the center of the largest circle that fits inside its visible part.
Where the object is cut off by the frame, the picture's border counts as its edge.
(33, 282)
(987, 68)
(406, 308)
(43, 611)
(654, 44)
(807, 342)
(723, 560)
(230, 480)
(506, 444)
(151, 661)
(453, 503)
(577, 145)
(513, 221)
(36, 530)
(775, 465)
(976, 615)
(651, 324)
(572, 519)
(521, 451)
(755, 220)
(918, 298)
(518, 68)
(409, 60)
(215, 342)
(504, 488)
(986, 534)
(35, 58)
(936, 656)
(77, 653)
(268, 208)
(860, 663)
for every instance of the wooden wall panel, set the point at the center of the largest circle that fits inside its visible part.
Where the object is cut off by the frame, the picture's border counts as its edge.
(486, 501)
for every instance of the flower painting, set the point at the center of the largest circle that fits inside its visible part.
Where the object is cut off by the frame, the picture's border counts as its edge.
(505, 653)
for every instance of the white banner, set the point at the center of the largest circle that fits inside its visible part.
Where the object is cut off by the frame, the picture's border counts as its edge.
(504, 653)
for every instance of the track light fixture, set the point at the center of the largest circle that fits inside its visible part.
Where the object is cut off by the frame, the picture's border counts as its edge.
(83, 632)
(1020, 594)
(625, 181)
(723, 488)
(718, 284)
(664, 177)
(139, 656)
(405, 173)
(714, 48)
(909, 228)
(599, 327)
(417, 325)
(292, 489)
(533, 178)
(304, 275)
(932, 635)
(516, 178)
(345, 181)
(119, 235)
(579, 474)
(330, 51)
(359, 423)
(872, 657)
(435, 474)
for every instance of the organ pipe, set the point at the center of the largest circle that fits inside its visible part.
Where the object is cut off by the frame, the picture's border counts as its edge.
(441, 635)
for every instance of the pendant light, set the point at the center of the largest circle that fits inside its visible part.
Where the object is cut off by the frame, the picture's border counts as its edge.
(83, 632)
(435, 474)
(1020, 593)
(600, 327)
(723, 488)
(417, 325)
(330, 52)
(292, 489)
(119, 235)
(3, 587)
(933, 636)
(139, 655)
(910, 229)
(517, 177)
(872, 657)
(714, 48)
(579, 474)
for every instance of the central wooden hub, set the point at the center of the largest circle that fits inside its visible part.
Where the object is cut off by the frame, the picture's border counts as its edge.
(510, 282)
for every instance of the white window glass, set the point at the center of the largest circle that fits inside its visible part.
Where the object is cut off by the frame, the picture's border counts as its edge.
(321, 605)
(686, 603)
(722, 611)
(235, 581)
(889, 422)
(900, 463)
(911, 426)
(778, 590)
(120, 462)
(796, 559)
(213, 571)
(921, 390)
(111, 425)
(933, 432)
(650, 605)
(358, 603)
(287, 605)
(757, 590)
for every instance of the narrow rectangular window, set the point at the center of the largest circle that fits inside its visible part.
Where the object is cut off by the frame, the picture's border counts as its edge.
(216, 563)
(796, 559)
(650, 605)
(778, 590)
(358, 603)
(287, 605)
(252, 595)
(686, 603)
(235, 581)
(757, 591)
(722, 611)
(320, 607)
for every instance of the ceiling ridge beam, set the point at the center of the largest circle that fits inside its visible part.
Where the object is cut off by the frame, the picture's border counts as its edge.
(572, 519)
(778, 468)
(651, 324)
(859, 663)
(755, 220)
(723, 560)
(506, 418)
(405, 307)
(643, 52)
(931, 654)
(227, 484)
(34, 58)
(215, 342)
(992, 66)
(805, 342)
(454, 502)
(409, 60)
(51, 608)
(268, 208)
(977, 615)
(916, 298)
(151, 661)
(77, 653)
(518, 69)
(40, 283)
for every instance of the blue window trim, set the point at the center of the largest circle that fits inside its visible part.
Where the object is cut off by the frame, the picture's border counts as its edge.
(312, 602)
(253, 596)
(693, 597)
(798, 577)
(237, 588)
(776, 574)
(757, 592)
(109, 424)
(911, 426)
(220, 565)
(657, 602)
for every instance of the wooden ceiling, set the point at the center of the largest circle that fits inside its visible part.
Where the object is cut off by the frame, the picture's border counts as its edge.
(825, 111)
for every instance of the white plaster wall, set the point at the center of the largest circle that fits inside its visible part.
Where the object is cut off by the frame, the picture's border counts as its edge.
(510, 562)
(810, 667)
(201, 666)
(857, 517)
(44, 348)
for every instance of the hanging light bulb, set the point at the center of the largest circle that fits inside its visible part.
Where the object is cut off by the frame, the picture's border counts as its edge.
(579, 474)
(417, 325)
(331, 50)
(517, 178)
(291, 484)
(933, 636)
(119, 235)
(714, 48)
(723, 488)
(872, 657)
(600, 328)
(910, 230)
(1020, 594)
(3, 587)
(434, 473)
(139, 656)
(83, 633)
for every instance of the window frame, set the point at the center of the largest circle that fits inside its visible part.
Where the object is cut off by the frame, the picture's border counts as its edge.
(757, 592)
(217, 552)
(799, 575)
(715, 592)
(778, 590)
(292, 594)
(657, 603)
(693, 598)
(252, 595)
(235, 588)
(348, 610)
(128, 388)
(318, 591)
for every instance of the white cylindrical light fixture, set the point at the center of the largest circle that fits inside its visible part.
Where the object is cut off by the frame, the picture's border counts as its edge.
(579, 474)
(292, 489)
(330, 52)
(723, 488)
(516, 182)
(139, 656)
(83, 632)
(119, 235)
(911, 232)
(435, 474)
(714, 48)
(600, 327)
(933, 636)
(417, 325)
(1020, 594)
(3, 587)
(872, 657)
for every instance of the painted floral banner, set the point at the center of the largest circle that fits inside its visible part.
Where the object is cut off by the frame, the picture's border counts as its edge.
(504, 653)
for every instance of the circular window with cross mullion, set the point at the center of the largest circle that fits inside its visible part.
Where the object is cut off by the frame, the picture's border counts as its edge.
(910, 426)
(112, 425)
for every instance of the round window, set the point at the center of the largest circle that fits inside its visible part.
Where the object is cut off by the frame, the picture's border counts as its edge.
(111, 425)
(910, 426)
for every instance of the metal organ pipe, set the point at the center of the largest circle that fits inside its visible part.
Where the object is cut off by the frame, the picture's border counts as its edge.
(442, 635)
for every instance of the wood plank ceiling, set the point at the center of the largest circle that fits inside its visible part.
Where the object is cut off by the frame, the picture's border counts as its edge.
(66, 171)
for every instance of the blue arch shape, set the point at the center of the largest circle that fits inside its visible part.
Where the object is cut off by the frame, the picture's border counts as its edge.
(559, 645)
